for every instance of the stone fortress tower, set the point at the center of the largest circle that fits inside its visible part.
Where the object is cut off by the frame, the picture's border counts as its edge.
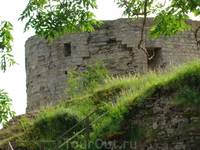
(47, 63)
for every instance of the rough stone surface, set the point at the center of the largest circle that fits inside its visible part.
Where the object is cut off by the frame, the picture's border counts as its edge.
(175, 129)
(115, 42)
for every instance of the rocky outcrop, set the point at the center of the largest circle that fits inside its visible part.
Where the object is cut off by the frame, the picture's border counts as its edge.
(159, 124)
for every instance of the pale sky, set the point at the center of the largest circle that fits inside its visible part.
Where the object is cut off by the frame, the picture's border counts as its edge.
(14, 80)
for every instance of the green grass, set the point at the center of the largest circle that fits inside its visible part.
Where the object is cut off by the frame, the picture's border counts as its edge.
(119, 96)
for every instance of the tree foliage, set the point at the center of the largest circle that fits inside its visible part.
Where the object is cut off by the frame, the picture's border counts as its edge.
(5, 45)
(172, 19)
(170, 16)
(6, 59)
(53, 18)
(5, 105)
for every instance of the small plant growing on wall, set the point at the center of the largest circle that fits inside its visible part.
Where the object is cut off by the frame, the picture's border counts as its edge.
(88, 79)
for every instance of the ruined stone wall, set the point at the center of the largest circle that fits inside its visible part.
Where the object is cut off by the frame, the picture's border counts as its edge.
(162, 124)
(47, 63)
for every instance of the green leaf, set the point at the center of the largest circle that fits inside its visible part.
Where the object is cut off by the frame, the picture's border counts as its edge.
(5, 108)
(5, 44)
(52, 20)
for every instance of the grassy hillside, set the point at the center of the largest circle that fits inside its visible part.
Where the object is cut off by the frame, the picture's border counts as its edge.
(119, 96)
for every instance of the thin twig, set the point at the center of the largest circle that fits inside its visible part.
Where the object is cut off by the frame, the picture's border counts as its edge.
(195, 34)
(142, 30)
(134, 13)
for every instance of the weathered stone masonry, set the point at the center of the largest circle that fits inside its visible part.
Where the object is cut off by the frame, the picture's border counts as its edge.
(115, 42)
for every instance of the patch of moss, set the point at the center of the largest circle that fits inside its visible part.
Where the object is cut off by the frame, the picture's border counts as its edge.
(115, 136)
(104, 95)
(186, 114)
(150, 112)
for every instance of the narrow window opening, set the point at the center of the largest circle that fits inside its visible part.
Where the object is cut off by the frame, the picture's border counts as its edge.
(112, 42)
(155, 55)
(66, 72)
(67, 49)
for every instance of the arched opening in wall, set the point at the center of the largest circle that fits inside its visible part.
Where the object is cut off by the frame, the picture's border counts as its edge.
(67, 49)
(155, 53)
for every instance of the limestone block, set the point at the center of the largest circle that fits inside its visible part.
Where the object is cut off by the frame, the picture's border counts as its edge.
(155, 125)
(83, 54)
(131, 45)
(77, 59)
(170, 131)
(99, 44)
(161, 133)
(195, 119)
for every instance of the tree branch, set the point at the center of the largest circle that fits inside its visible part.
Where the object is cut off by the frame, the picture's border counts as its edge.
(195, 34)
(134, 13)
(142, 31)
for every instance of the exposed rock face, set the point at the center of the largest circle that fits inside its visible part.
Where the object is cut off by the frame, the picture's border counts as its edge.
(159, 124)
(167, 125)
(115, 42)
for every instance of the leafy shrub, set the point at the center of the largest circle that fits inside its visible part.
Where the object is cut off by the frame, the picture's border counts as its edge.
(52, 126)
(87, 80)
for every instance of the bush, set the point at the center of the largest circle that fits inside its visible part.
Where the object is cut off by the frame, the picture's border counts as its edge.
(87, 80)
